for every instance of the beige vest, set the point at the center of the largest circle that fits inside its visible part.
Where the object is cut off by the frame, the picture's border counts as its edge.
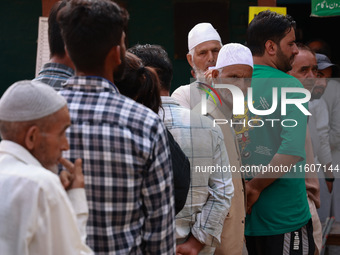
(232, 236)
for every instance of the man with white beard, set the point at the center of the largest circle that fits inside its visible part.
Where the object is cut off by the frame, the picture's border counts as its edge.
(234, 66)
(204, 43)
(233, 59)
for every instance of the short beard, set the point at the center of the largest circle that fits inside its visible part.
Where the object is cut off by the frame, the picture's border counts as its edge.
(317, 95)
(286, 63)
(199, 73)
(53, 169)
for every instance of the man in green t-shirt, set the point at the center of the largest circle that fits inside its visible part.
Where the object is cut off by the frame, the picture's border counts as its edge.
(278, 217)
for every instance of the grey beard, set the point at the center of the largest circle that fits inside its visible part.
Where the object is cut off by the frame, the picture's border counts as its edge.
(199, 74)
(54, 169)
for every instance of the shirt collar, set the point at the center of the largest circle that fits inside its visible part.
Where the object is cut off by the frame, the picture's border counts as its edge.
(168, 100)
(91, 81)
(19, 152)
(53, 67)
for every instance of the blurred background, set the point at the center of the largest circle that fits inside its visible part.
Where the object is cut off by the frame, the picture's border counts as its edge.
(163, 22)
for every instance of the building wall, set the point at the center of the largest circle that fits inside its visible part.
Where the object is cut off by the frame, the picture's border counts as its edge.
(151, 21)
(18, 37)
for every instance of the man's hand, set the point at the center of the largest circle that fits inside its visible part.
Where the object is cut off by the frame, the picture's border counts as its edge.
(191, 247)
(72, 177)
(252, 196)
(208, 74)
(329, 186)
(262, 180)
(329, 175)
(65, 178)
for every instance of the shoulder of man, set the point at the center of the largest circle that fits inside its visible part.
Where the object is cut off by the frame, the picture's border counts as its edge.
(37, 179)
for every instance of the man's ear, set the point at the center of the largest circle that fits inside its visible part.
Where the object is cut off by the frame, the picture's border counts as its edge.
(112, 60)
(116, 54)
(31, 137)
(189, 58)
(215, 73)
(270, 47)
(193, 73)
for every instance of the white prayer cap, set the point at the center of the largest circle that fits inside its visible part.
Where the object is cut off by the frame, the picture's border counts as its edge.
(29, 100)
(200, 33)
(233, 54)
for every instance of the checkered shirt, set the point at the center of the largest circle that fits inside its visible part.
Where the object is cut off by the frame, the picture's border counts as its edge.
(127, 168)
(54, 74)
(210, 192)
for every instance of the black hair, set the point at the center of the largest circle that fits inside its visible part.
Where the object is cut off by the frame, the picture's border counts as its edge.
(155, 56)
(55, 40)
(140, 83)
(267, 25)
(90, 28)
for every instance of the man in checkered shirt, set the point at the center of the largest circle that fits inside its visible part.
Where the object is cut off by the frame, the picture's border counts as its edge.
(124, 147)
(60, 67)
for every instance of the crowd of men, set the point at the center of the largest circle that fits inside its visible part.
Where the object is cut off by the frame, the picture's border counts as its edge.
(98, 158)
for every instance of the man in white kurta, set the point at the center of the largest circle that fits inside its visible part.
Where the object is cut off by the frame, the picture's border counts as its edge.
(36, 214)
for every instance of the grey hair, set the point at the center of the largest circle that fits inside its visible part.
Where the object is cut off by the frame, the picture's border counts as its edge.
(192, 51)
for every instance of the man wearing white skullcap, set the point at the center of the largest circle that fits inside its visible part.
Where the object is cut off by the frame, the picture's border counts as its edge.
(37, 216)
(204, 43)
(234, 61)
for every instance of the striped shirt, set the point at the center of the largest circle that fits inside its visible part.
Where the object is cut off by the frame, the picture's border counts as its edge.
(55, 75)
(127, 168)
(211, 187)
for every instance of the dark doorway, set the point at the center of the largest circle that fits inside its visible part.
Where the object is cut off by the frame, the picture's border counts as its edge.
(309, 28)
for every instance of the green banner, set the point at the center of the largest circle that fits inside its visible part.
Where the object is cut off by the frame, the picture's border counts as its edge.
(325, 8)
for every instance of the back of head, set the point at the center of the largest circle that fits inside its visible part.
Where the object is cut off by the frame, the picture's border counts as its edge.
(140, 83)
(26, 101)
(267, 25)
(90, 28)
(55, 40)
(156, 57)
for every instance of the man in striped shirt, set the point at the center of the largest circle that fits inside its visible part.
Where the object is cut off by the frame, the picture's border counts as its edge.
(60, 67)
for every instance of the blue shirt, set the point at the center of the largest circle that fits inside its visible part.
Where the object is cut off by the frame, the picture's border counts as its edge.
(55, 74)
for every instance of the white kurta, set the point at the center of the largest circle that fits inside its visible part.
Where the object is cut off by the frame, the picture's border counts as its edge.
(319, 131)
(36, 215)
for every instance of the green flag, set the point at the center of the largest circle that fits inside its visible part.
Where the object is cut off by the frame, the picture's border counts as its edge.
(325, 8)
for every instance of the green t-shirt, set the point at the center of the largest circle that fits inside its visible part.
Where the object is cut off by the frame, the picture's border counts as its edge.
(282, 207)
